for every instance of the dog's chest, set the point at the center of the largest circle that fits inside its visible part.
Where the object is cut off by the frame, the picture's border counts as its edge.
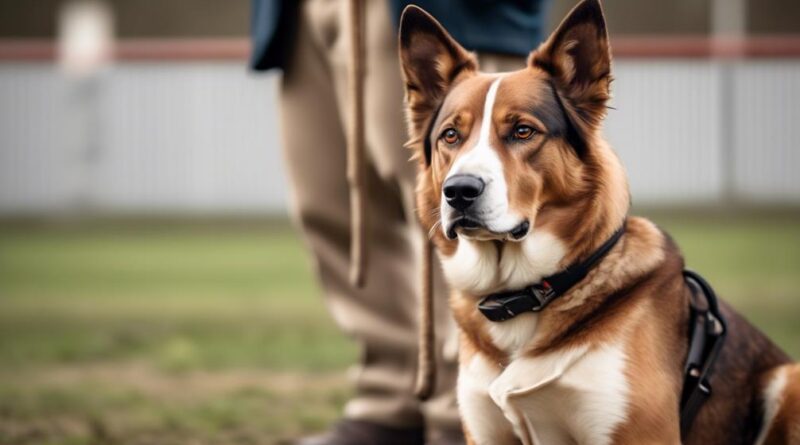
(569, 397)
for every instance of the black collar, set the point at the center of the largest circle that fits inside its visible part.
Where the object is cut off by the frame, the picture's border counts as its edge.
(506, 305)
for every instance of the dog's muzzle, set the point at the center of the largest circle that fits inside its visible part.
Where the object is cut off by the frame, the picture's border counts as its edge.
(471, 224)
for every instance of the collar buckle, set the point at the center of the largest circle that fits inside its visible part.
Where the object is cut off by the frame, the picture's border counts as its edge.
(504, 308)
(543, 294)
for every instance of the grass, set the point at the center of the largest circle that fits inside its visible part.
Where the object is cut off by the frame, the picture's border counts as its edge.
(163, 334)
(211, 334)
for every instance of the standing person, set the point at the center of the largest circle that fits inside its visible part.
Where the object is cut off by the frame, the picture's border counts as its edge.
(308, 40)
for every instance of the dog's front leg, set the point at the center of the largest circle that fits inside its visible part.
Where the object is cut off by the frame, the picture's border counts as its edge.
(484, 422)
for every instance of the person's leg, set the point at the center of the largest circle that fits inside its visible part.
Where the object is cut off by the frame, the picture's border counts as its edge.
(380, 316)
(385, 136)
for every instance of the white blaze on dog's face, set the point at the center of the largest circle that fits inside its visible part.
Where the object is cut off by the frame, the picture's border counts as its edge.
(474, 197)
(511, 167)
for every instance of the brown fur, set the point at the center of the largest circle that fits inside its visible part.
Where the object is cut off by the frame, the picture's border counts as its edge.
(568, 182)
(785, 427)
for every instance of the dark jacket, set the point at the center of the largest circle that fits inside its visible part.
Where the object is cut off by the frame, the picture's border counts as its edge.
(495, 26)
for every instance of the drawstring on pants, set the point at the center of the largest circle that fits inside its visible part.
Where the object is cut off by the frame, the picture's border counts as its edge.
(355, 147)
(426, 361)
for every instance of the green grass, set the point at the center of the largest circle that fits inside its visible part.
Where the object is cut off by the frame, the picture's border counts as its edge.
(163, 334)
(179, 296)
(211, 334)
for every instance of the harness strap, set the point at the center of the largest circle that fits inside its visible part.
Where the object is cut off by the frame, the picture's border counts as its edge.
(707, 330)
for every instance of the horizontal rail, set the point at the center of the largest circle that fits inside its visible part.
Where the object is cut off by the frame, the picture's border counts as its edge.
(627, 46)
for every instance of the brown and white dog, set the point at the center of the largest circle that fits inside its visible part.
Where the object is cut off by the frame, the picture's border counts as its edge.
(516, 183)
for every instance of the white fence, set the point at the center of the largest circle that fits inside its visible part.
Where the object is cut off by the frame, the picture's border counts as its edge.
(698, 131)
(192, 137)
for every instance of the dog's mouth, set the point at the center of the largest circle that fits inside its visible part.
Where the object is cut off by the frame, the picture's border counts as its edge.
(477, 229)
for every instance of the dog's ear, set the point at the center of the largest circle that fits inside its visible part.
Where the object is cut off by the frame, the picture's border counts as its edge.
(432, 61)
(578, 58)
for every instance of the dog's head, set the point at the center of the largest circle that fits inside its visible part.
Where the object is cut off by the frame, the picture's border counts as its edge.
(514, 176)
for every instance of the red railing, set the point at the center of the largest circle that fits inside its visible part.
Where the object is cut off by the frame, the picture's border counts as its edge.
(772, 46)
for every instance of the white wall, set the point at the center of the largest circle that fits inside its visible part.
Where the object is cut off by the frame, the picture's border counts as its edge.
(204, 137)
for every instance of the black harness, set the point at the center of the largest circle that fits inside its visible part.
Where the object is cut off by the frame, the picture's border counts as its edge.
(707, 327)
(707, 330)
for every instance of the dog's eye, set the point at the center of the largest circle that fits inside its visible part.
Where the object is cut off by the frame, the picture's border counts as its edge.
(523, 132)
(450, 136)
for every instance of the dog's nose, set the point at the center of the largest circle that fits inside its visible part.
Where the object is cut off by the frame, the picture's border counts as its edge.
(461, 191)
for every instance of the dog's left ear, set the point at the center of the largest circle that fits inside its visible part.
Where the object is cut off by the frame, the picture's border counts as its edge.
(578, 58)
(432, 63)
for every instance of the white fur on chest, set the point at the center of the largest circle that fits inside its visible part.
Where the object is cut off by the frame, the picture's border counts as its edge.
(512, 336)
(567, 397)
(478, 268)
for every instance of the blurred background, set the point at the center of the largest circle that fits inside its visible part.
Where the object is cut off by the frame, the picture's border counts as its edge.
(151, 289)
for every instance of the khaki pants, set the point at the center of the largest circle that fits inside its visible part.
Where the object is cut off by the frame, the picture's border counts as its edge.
(382, 316)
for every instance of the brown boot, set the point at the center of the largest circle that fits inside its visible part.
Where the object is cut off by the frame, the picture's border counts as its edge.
(357, 432)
